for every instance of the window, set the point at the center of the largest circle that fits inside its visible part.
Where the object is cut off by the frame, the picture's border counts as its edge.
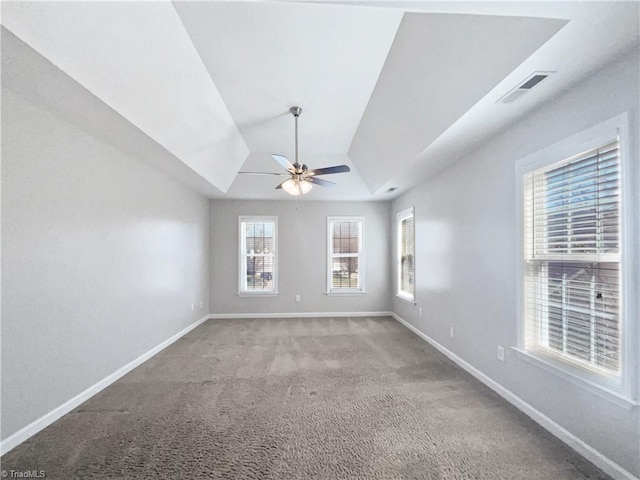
(573, 244)
(345, 257)
(406, 254)
(572, 250)
(258, 255)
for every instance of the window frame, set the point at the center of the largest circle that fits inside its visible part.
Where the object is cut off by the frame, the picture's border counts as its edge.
(243, 290)
(400, 217)
(622, 390)
(330, 290)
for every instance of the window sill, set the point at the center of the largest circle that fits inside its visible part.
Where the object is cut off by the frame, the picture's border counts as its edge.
(406, 298)
(258, 294)
(575, 378)
(347, 293)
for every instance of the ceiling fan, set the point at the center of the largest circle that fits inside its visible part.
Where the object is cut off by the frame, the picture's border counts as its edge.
(301, 178)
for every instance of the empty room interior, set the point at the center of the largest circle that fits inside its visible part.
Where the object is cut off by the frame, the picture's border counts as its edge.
(341, 240)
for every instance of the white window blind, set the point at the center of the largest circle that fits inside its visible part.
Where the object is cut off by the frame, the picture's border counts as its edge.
(406, 245)
(345, 254)
(572, 260)
(257, 254)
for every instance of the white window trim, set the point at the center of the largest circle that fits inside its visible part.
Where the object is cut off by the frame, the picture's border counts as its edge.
(625, 391)
(406, 296)
(242, 291)
(361, 264)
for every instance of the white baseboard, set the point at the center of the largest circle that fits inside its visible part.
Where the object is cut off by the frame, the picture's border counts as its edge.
(34, 427)
(604, 463)
(300, 315)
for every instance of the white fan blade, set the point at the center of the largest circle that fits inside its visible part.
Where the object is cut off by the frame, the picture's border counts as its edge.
(283, 161)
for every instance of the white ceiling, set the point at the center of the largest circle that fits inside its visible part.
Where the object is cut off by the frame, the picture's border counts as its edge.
(395, 90)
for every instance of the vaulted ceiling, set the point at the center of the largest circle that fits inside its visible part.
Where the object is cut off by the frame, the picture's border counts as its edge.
(395, 90)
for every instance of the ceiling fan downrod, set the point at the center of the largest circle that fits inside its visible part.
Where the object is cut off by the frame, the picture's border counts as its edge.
(296, 111)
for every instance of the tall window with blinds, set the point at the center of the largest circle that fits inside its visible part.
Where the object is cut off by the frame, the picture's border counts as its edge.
(406, 254)
(345, 254)
(572, 243)
(257, 255)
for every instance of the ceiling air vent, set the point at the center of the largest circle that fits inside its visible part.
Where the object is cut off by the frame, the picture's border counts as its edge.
(531, 81)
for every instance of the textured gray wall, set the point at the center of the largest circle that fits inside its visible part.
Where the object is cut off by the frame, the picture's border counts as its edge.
(302, 254)
(466, 258)
(102, 257)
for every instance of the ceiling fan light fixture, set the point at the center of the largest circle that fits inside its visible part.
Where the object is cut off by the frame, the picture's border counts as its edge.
(296, 187)
(305, 186)
(302, 179)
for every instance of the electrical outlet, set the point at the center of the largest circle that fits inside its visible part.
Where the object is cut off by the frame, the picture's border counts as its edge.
(420, 311)
(501, 353)
(297, 298)
(192, 307)
(452, 332)
(201, 303)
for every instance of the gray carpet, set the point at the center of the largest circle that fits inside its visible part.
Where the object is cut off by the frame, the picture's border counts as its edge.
(343, 398)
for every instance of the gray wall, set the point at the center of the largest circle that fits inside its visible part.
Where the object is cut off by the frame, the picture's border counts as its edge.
(102, 257)
(302, 252)
(466, 258)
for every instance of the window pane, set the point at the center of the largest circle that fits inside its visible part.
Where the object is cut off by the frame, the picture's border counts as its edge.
(575, 206)
(407, 248)
(344, 272)
(578, 308)
(259, 238)
(259, 272)
(345, 237)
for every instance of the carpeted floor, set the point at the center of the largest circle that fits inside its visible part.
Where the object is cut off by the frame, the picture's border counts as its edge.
(343, 398)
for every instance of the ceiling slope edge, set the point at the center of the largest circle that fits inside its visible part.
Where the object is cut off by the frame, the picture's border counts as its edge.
(26, 73)
(439, 66)
(118, 51)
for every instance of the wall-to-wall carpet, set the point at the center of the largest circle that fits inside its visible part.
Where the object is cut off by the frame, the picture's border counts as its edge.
(326, 398)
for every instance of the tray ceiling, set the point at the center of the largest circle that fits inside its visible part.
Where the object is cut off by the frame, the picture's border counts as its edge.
(393, 89)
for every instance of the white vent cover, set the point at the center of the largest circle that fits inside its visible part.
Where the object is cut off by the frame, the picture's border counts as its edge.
(526, 85)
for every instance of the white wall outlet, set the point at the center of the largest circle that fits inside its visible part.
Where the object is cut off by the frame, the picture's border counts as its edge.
(201, 303)
(452, 332)
(501, 353)
(192, 307)
(297, 298)
(420, 311)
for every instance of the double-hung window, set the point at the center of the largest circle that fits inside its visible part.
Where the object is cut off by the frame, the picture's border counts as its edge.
(345, 256)
(572, 293)
(258, 255)
(406, 254)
